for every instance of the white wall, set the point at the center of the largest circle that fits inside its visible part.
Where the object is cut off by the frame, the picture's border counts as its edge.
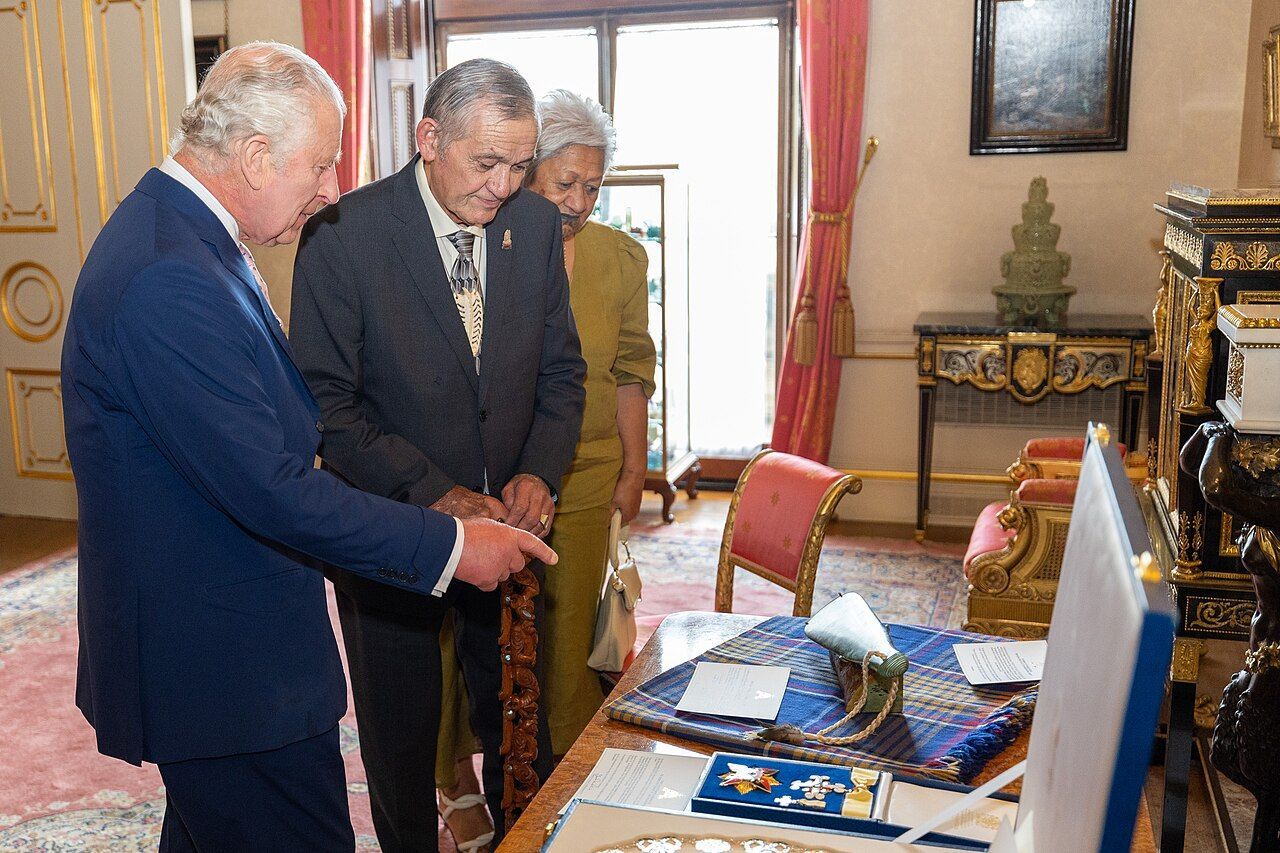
(1259, 160)
(932, 220)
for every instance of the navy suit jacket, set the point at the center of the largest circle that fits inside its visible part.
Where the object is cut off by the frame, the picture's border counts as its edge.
(203, 521)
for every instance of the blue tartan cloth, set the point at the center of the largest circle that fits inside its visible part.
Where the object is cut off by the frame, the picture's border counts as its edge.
(948, 730)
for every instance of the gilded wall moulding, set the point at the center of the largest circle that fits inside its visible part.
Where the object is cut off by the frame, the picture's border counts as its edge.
(1184, 244)
(1232, 616)
(1254, 256)
(31, 301)
(35, 418)
(27, 192)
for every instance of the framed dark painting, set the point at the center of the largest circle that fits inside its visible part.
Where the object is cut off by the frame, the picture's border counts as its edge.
(207, 49)
(1051, 75)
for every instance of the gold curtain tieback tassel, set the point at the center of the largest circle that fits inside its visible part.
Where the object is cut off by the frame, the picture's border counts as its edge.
(804, 342)
(842, 324)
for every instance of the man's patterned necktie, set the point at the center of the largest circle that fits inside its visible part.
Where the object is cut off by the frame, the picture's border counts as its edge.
(465, 280)
(257, 276)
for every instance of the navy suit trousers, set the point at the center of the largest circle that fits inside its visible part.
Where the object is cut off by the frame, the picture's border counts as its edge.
(289, 799)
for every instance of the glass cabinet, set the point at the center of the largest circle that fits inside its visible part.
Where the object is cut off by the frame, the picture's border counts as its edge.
(652, 205)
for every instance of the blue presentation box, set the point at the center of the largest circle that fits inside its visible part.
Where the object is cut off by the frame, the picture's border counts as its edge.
(803, 793)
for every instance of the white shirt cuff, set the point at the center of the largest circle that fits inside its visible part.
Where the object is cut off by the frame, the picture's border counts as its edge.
(452, 566)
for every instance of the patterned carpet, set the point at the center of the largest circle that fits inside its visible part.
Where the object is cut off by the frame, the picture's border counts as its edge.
(57, 793)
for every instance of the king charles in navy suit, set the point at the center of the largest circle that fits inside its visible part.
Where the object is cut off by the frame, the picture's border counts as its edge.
(205, 643)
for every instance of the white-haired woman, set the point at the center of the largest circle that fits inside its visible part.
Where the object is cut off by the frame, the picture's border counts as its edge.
(608, 274)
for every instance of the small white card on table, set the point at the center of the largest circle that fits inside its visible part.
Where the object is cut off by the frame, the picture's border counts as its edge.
(629, 777)
(1001, 663)
(736, 690)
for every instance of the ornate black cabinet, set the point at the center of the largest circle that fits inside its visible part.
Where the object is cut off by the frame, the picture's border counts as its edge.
(1220, 247)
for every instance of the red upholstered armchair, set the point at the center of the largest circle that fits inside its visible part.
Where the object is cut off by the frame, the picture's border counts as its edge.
(1015, 559)
(777, 520)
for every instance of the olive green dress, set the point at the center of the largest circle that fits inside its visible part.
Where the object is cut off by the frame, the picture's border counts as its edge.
(609, 294)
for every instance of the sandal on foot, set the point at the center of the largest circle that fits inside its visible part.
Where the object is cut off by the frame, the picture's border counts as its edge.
(466, 801)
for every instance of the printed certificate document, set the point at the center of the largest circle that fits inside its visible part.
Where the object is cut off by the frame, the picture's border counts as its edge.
(736, 690)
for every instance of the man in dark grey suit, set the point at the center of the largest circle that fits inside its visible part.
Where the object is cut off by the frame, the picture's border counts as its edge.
(431, 320)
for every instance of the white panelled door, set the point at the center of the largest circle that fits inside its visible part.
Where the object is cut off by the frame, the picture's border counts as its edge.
(91, 91)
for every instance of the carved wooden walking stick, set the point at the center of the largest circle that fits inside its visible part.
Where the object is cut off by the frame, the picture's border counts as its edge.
(518, 645)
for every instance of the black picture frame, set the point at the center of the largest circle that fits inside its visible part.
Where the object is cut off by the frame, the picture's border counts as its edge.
(1051, 75)
(207, 49)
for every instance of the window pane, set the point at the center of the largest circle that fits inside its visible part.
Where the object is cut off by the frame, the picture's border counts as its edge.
(715, 114)
(548, 59)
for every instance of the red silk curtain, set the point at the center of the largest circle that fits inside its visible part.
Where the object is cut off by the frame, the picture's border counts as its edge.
(336, 34)
(833, 46)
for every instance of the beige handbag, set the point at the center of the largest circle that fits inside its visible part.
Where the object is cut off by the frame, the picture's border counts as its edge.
(616, 614)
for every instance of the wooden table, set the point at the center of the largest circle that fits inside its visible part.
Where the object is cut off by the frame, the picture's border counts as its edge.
(679, 638)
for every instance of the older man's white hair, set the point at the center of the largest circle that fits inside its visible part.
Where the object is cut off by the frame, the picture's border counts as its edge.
(570, 119)
(263, 88)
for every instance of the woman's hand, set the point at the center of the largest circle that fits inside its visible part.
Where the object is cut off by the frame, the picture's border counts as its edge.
(627, 493)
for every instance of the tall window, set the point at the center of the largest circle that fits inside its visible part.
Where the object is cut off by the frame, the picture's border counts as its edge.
(706, 92)
(716, 116)
(548, 59)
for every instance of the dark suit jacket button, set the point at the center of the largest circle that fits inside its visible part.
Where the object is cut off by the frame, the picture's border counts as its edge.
(319, 426)
(414, 578)
(484, 416)
(382, 573)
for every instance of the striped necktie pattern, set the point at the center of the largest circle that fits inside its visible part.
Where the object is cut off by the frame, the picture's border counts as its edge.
(464, 278)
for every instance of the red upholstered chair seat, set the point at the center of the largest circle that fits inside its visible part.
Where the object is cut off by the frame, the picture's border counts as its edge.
(1059, 448)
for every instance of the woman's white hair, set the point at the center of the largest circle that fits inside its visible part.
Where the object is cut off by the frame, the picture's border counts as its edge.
(263, 88)
(569, 119)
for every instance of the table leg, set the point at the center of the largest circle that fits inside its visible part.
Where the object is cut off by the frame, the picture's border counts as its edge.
(691, 481)
(1177, 765)
(1131, 419)
(924, 462)
(1221, 814)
